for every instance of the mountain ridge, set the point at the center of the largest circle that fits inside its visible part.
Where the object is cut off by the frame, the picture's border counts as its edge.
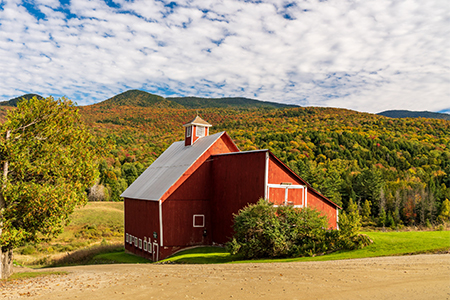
(414, 114)
(13, 102)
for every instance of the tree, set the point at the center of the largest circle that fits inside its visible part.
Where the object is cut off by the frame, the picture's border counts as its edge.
(48, 160)
(444, 216)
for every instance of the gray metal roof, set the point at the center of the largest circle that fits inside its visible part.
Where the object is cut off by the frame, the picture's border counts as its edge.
(168, 168)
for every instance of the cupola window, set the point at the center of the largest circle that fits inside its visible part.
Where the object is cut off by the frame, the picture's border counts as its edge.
(200, 131)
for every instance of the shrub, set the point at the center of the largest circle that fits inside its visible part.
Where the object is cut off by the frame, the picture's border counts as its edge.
(262, 230)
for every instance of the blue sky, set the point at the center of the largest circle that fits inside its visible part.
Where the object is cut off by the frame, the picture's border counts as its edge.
(370, 55)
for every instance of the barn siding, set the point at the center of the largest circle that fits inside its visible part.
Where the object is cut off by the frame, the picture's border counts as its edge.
(279, 173)
(191, 198)
(238, 180)
(141, 220)
(222, 145)
(325, 207)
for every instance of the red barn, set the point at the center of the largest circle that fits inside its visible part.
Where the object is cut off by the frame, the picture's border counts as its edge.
(188, 196)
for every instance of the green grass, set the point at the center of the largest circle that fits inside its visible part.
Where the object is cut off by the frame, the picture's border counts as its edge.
(385, 244)
(89, 225)
(108, 214)
(26, 275)
(119, 257)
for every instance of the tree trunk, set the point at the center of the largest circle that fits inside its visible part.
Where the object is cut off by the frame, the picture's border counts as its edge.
(5, 266)
(6, 262)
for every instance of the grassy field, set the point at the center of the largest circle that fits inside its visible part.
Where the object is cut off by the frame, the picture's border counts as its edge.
(97, 223)
(385, 244)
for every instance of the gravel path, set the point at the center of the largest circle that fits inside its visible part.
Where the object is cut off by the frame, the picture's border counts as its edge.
(403, 277)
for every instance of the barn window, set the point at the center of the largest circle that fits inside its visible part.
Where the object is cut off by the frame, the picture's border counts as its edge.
(126, 237)
(200, 131)
(149, 246)
(140, 243)
(135, 241)
(145, 245)
(188, 131)
(199, 220)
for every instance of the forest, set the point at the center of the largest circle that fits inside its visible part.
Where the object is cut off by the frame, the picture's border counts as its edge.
(396, 170)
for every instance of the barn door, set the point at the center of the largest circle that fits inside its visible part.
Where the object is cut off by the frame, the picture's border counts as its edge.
(155, 252)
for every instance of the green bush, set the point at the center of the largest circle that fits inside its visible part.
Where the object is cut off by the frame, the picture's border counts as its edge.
(265, 231)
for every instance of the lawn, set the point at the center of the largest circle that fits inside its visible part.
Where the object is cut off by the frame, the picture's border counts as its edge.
(385, 244)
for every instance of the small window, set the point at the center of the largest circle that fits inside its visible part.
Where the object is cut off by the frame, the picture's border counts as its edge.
(149, 246)
(199, 220)
(145, 245)
(140, 243)
(188, 131)
(200, 131)
(135, 241)
(126, 238)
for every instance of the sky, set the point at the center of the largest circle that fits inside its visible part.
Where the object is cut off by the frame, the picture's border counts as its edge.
(368, 55)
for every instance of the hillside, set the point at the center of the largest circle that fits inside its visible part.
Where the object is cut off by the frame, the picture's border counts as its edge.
(137, 98)
(401, 167)
(414, 114)
(397, 170)
(195, 102)
(144, 99)
(13, 102)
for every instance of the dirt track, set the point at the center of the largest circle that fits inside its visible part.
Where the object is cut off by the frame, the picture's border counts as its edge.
(405, 277)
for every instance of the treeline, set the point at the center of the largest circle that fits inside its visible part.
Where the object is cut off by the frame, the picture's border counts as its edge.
(396, 170)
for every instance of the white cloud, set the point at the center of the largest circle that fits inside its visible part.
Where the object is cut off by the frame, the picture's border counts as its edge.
(370, 56)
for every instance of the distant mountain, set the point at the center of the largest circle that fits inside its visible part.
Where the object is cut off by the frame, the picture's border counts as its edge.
(414, 114)
(196, 102)
(13, 102)
(138, 98)
(143, 99)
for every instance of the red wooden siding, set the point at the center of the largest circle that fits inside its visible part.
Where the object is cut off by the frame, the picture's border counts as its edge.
(141, 220)
(279, 173)
(325, 207)
(276, 196)
(222, 145)
(238, 180)
(191, 198)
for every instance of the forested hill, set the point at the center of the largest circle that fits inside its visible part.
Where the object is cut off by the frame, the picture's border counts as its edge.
(13, 102)
(144, 99)
(414, 114)
(195, 102)
(397, 169)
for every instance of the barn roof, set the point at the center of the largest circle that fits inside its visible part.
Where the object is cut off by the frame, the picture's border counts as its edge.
(197, 121)
(168, 168)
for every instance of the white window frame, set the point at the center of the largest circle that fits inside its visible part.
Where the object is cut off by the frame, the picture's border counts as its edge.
(145, 243)
(200, 129)
(135, 241)
(126, 237)
(203, 221)
(140, 243)
(286, 193)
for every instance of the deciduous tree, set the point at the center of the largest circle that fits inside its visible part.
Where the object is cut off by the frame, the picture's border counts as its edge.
(48, 161)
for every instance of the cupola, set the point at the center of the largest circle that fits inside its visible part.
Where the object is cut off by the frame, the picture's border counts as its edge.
(195, 129)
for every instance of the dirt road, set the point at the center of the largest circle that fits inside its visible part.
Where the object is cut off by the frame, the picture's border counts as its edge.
(405, 277)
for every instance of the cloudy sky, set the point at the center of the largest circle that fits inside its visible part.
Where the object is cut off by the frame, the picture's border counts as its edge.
(368, 55)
